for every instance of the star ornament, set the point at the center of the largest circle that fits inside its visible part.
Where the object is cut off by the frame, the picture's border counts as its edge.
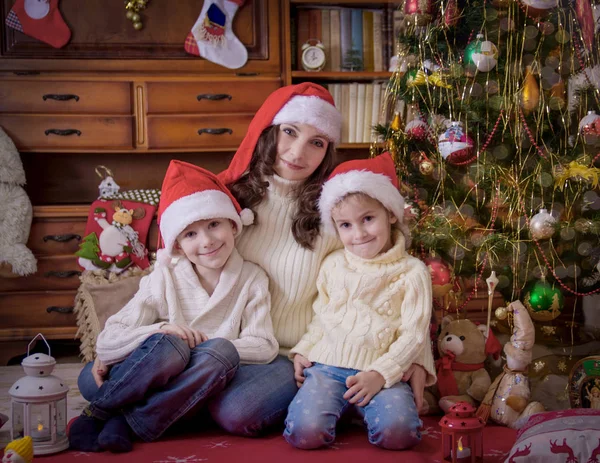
(538, 365)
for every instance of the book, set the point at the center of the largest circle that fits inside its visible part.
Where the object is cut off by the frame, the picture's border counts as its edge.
(345, 37)
(366, 137)
(378, 41)
(352, 109)
(368, 51)
(344, 109)
(302, 35)
(326, 37)
(360, 112)
(334, 40)
(356, 59)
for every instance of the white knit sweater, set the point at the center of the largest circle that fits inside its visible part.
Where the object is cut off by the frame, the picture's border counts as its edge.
(238, 310)
(372, 314)
(292, 269)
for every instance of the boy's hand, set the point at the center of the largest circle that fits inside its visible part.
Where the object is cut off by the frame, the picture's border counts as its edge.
(193, 337)
(300, 363)
(416, 375)
(363, 386)
(99, 371)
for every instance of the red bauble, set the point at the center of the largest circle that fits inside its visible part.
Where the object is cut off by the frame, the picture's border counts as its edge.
(451, 14)
(419, 12)
(442, 276)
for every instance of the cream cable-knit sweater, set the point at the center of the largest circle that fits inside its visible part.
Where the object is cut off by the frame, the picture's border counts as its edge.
(372, 314)
(292, 269)
(238, 310)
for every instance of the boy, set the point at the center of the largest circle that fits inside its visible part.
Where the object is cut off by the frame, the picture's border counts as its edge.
(179, 341)
(371, 317)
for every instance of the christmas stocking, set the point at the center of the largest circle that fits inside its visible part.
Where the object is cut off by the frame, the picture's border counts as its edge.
(39, 19)
(212, 36)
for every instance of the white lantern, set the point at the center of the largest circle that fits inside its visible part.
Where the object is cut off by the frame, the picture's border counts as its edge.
(39, 404)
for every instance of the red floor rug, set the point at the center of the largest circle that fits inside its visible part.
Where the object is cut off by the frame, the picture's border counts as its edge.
(351, 446)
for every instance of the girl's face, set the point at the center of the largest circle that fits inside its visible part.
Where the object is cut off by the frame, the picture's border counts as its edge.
(300, 150)
(364, 225)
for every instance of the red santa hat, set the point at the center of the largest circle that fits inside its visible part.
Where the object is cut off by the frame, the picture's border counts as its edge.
(190, 193)
(376, 177)
(305, 103)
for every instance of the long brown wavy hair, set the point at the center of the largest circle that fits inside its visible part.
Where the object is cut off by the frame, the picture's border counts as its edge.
(251, 188)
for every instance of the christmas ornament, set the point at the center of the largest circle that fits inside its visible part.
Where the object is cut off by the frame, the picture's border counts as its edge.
(542, 225)
(589, 128)
(39, 19)
(429, 74)
(558, 95)
(451, 14)
(133, 8)
(577, 172)
(426, 167)
(418, 12)
(412, 212)
(442, 276)
(538, 8)
(455, 145)
(417, 129)
(483, 54)
(396, 124)
(212, 36)
(543, 301)
(585, 17)
(501, 313)
(530, 95)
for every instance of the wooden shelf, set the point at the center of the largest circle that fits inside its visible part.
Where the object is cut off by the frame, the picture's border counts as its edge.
(347, 75)
(344, 2)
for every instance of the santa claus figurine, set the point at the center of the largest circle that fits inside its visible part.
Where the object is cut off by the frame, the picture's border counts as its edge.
(19, 451)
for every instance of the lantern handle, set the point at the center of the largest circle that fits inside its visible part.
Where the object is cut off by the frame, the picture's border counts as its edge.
(39, 335)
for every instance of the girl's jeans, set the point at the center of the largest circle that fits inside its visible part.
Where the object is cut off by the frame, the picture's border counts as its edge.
(160, 381)
(391, 416)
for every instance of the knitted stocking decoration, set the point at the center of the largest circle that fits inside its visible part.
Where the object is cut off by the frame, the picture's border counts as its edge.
(39, 19)
(212, 36)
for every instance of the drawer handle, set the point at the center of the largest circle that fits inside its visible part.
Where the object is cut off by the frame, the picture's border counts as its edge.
(60, 97)
(59, 309)
(214, 96)
(63, 274)
(215, 131)
(63, 132)
(62, 238)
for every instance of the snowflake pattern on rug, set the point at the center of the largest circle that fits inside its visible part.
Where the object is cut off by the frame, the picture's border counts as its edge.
(189, 459)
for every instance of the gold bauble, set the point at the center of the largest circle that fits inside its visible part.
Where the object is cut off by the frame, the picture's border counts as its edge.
(396, 124)
(501, 313)
(138, 26)
(530, 96)
(426, 167)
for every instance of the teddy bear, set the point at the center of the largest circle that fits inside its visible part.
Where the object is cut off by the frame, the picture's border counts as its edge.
(16, 214)
(507, 399)
(461, 376)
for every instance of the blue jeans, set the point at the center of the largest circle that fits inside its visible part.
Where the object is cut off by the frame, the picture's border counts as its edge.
(257, 398)
(391, 416)
(160, 381)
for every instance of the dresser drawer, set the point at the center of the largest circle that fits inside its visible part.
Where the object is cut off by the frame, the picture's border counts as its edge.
(65, 97)
(208, 97)
(53, 273)
(195, 131)
(39, 309)
(56, 237)
(40, 132)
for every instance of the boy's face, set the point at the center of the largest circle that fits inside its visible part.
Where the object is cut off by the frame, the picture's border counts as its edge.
(208, 243)
(364, 225)
(300, 150)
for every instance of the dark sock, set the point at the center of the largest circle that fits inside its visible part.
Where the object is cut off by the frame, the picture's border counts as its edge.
(116, 435)
(84, 432)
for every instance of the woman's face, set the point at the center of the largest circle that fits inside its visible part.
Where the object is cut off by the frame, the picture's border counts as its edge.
(300, 150)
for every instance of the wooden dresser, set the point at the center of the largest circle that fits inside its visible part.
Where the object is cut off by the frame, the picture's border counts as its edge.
(129, 100)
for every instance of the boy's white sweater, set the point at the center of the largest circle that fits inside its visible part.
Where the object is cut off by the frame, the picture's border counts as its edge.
(238, 310)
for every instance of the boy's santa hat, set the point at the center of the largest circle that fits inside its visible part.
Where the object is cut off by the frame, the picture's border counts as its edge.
(190, 193)
(305, 103)
(376, 177)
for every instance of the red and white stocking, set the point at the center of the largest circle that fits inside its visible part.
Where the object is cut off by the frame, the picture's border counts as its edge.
(212, 36)
(40, 19)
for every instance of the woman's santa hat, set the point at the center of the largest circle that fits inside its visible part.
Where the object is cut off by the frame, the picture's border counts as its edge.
(376, 177)
(305, 103)
(190, 193)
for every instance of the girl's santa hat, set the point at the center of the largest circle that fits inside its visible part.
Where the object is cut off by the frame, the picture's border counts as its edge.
(190, 193)
(305, 103)
(376, 177)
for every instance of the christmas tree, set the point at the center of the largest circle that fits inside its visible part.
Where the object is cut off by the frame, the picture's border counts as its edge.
(494, 125)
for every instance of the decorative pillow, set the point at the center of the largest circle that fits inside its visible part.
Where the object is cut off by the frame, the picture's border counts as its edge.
(564, 435)
(100, 295)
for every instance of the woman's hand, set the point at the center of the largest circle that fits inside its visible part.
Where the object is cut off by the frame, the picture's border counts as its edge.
(99, 371)
(193, 337)
(363, 386)
(300, 363)
(416, 375)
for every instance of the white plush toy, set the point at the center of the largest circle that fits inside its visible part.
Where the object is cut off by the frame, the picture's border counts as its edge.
(507, 400)
(15, 213)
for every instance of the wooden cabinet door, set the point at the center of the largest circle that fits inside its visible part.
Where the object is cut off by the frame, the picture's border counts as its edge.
(102, 38)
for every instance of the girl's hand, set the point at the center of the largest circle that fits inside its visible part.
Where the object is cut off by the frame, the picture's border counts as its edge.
(416, 375)
(99, 371)
(300, 363)
(363, 386)
(193, 337)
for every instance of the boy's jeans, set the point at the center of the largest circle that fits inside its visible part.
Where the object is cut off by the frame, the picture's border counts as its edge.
(160, 381)
(391, 416)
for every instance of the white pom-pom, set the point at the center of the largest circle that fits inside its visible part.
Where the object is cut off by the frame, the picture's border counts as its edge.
(247, 217)
(164, 258)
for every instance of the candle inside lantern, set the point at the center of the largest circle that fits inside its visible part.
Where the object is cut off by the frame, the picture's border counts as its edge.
(462, 452)
(41, 432)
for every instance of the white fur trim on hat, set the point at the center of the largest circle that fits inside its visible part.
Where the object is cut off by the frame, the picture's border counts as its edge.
(312, 110)
(377, 186)
(207, 204)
